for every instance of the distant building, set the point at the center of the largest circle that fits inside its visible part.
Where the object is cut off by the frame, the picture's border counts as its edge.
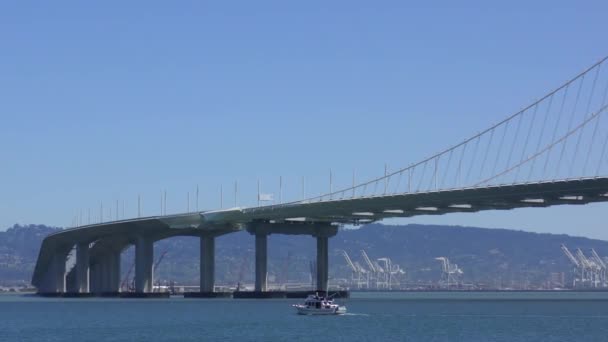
(557, 279)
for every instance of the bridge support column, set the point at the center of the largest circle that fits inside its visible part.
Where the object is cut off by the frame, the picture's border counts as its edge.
(321, 231)
(82, 267)
(261, 261)
(54, 278)
(59, 268)
(144, 254)
(207, 265)
(104, 274)
(322, 262)
(54, 281)
(111, 272)
(95, 279)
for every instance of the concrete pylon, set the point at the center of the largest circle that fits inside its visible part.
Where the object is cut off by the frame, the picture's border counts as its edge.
(322, 262)
(56, 279)
(144, 254)
(207, 263)
(261, 261)
(54, 276)
(82, 267)
(111, 272)
(104, 278)
(94, 278)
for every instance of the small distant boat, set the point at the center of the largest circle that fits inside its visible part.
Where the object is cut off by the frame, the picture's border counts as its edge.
(318, 305)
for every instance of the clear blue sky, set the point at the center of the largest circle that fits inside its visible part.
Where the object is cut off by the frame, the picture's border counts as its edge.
(106, 100)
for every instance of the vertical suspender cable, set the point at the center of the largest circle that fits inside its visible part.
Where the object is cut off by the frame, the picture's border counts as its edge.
(515, 139)
(502, 140)
(550, 96)
(432, 178)
(525, 146)
(561, 156)
(422, 176)
(387, 179)
(580, 134)
(354, 184)
(540, 137)
(555, 128)
(410, 174)
(398, 183)
(375, 187)
(466, 179)
(447, 168)
(599, 164)
(458, 180)
(485, 156)
(597, 123)
(566, 136)
(435, 172)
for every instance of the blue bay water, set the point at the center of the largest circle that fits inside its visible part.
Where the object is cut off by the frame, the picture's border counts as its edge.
(372, 317)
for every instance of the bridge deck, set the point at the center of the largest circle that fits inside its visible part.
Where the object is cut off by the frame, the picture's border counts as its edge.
(341, 211)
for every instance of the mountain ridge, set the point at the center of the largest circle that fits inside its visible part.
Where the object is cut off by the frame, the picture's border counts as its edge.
(494, 256)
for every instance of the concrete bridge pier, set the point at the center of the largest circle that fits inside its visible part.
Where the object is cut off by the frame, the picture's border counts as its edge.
(95, 278)
(104, 275)
(57, 274)
(54, 282)
(104, 279)
(261, 261)
(321, 231)
(144, 255)
(207, 264)
(322, 262)
(60, 272)
(111, 273)
(82, 267)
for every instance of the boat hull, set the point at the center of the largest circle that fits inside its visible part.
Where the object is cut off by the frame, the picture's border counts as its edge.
(303, 310)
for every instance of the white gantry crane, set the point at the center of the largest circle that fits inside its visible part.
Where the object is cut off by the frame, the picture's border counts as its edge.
(578, 268)
(588, 269)
(392, 272)
(593, 270)
(372, 275)
(588, 272)
(602, 268)
(379, 274)
(450, 275)
(359, 274)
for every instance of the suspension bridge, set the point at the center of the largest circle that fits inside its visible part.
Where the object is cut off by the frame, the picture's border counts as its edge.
(551, 152)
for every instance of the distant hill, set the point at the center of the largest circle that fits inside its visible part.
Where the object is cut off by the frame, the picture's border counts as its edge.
(490, 256)
(19, 246)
